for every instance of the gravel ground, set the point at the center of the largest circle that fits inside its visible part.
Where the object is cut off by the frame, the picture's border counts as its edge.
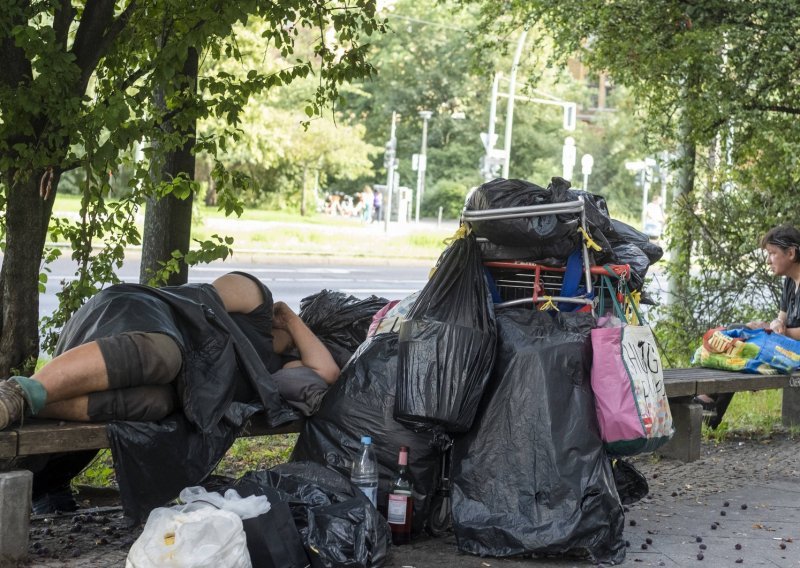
(98, 536)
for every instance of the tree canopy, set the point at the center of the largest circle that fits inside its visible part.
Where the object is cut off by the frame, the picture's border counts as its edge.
(76, 93)
(717, 81)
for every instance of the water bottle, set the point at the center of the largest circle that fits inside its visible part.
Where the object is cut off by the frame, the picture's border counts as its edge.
(364, 473)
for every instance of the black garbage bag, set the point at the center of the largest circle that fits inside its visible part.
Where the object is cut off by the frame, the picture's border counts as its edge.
(631, 485)
(361, 403)
(633, 256)
(624, 233)
(598, 222)
(494, 252)
(447, 344)
(339, 320)
(531, 476)
(337, 523)
(546, 235)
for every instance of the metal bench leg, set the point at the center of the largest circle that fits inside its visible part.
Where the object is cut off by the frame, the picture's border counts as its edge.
(15, 513)
(791, 406)
(687, 418)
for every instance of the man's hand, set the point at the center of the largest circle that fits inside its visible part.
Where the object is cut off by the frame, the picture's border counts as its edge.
(282, 315)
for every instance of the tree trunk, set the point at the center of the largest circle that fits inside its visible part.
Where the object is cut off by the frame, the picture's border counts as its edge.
(27, 217)
(682, 223)
(303, 192)
(168, 220)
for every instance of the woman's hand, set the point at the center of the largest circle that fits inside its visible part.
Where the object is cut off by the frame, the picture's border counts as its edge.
(778, 326)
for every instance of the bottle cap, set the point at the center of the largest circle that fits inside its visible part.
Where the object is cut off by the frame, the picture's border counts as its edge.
(366, 440)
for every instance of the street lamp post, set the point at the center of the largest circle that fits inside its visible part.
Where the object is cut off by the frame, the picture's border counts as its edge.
(587, 162)
(391, 163)
(425, 115)
(512, 85)
(568, 155)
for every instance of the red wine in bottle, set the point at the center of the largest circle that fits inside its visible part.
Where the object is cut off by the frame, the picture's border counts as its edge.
(400, 510)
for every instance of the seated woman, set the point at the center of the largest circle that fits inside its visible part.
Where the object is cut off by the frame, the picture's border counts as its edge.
(135, 353)
(782, 245)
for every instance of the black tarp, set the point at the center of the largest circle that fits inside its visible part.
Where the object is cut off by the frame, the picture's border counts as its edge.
(155, 460)
(531, 477)
(361, 403)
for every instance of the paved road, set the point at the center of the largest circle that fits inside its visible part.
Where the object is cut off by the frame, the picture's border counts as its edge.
(288, 282)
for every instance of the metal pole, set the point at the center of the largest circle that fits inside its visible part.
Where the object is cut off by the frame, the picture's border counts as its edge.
(387, 207)
(645, 196)
(423, 159)
(512, 85)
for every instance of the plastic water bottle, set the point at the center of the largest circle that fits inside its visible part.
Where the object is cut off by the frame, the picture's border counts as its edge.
(364, 473)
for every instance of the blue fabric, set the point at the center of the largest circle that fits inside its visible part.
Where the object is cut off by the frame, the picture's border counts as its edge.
(571, 285)
(778, 351)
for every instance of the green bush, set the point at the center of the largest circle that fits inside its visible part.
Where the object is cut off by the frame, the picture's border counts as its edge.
(447, 194)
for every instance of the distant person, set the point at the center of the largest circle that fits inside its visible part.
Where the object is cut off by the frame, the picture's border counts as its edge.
(654, 218)
(368, 199)
(377, 206)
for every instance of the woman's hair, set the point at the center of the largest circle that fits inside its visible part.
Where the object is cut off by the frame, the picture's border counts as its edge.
(784, 236)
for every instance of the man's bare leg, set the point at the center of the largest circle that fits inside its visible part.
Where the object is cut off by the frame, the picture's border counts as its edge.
(75, 372)
(71, 409)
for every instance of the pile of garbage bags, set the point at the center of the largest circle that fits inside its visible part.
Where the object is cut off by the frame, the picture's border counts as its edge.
(494, 403)
(296, 515)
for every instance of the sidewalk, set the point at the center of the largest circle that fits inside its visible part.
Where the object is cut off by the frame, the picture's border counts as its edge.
(758, 479)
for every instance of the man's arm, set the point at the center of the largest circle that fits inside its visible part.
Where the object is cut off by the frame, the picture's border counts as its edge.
(239, 293)
(313, 354)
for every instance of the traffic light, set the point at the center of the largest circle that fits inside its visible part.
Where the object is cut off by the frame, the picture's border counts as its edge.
(389, 153)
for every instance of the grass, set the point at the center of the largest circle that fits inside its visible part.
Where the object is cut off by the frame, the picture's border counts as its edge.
(279, 233)
(751, 414)
(246, 454)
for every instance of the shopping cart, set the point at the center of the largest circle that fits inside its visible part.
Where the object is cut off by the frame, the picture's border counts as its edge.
(520, 282)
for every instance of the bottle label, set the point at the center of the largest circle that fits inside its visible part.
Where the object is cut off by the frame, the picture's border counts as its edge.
(396, 513)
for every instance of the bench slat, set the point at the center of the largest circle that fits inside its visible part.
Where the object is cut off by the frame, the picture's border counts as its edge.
(701, 380)
(39, 436)
(8, 444)
(50, 436)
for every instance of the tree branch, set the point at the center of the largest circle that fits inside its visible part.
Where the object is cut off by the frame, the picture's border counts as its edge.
(61, 22)
(96, 34)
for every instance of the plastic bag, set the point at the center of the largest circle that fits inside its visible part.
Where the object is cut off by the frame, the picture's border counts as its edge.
(628, 383)
(205, 538)
(749, 351)
(531, 476)
(244, 507)
(447, 344)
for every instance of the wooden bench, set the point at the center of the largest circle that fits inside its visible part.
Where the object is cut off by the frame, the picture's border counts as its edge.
(39, 436)
(682, 385)
(50, 436)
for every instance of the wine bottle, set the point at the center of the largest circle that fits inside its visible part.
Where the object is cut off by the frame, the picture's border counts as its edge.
(400, 511)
